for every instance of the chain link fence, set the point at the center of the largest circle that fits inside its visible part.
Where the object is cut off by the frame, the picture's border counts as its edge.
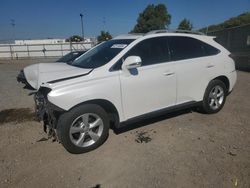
(237, 41)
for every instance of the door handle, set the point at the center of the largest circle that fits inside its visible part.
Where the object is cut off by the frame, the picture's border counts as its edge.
(210, 66)
(168, 73)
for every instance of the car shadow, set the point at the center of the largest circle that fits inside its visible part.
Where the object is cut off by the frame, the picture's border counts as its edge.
(137, 123)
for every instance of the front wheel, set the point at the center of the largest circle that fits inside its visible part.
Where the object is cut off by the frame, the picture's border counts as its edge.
(215, 97)
(83, 128)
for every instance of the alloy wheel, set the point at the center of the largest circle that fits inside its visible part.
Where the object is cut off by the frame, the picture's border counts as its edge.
(86, 130)
(216, 97)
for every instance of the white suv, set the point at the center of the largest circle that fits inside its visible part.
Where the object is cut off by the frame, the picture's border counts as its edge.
(128, 77)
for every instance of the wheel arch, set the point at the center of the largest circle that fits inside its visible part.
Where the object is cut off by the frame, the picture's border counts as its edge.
(225, 80)
(108, 106)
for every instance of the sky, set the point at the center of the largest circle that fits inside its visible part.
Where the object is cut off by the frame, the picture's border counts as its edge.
(61, 18)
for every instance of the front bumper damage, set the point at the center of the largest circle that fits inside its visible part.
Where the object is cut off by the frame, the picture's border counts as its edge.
(21, 78)
(47, 112)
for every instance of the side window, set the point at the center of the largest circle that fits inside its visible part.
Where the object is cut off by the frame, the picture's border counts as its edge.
(210, 50)
(151, 51)
(185, 48)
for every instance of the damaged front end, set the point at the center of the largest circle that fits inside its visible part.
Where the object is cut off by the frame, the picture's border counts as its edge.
(47, 112)
(21, 78)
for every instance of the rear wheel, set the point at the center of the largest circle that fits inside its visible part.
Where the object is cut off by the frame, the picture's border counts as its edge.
(215, 97)
(83, 128)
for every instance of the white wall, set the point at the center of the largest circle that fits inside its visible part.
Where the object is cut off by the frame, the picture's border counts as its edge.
(41, 50)
(39, 41)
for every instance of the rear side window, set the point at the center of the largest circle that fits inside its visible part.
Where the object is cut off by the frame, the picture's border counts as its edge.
(210, 50)
(186, 48)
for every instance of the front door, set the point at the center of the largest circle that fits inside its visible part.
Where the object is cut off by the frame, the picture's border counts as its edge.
(152, 86)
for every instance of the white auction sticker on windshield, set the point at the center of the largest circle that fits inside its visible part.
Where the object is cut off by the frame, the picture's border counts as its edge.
(119, 46)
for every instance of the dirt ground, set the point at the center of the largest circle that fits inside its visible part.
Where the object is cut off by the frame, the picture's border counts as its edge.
(184, 149)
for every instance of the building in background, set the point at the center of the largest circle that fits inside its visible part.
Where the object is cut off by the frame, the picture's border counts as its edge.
(50, 41)
(39, 41)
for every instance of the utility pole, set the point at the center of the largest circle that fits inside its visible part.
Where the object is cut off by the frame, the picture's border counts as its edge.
(13, 24)
(104, 23)
(81, 15)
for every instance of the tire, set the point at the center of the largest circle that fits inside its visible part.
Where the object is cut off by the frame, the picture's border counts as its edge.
(83, 128)
(213, 94)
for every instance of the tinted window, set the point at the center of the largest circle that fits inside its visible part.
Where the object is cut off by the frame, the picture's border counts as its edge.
(70, 56)
(151, 51)
(186, 48)
(210, 50)
(101, 54)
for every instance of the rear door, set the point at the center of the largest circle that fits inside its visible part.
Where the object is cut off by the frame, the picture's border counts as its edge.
(192, 67)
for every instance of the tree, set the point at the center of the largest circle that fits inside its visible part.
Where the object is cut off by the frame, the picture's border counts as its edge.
(154, 17)
(185, 24)
(74, 38)
(104, 36)
(241, 19)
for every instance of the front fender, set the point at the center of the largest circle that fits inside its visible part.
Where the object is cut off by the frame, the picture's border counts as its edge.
(103, 89)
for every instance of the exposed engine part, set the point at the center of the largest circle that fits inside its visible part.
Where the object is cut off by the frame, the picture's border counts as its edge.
(45, 113)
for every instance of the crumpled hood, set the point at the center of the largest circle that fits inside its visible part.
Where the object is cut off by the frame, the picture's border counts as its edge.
(45, 72)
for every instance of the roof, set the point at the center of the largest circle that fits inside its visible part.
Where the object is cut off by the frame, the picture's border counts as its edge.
(161, 32)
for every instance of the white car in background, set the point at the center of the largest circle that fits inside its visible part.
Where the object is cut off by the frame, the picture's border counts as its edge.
(128, 77)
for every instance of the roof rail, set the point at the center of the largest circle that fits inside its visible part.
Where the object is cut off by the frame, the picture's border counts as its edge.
(191, 32)
(174, 31)
(135, 33)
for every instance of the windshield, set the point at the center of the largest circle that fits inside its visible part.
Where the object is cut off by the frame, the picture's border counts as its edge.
(70, 56)
(101, 54)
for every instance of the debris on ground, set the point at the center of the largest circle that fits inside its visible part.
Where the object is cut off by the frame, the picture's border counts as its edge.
(235, 182)
(143, 137)
(97, 186)
(42, 139)
(232, 153)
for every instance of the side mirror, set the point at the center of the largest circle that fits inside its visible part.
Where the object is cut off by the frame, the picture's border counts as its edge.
(131, 62)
